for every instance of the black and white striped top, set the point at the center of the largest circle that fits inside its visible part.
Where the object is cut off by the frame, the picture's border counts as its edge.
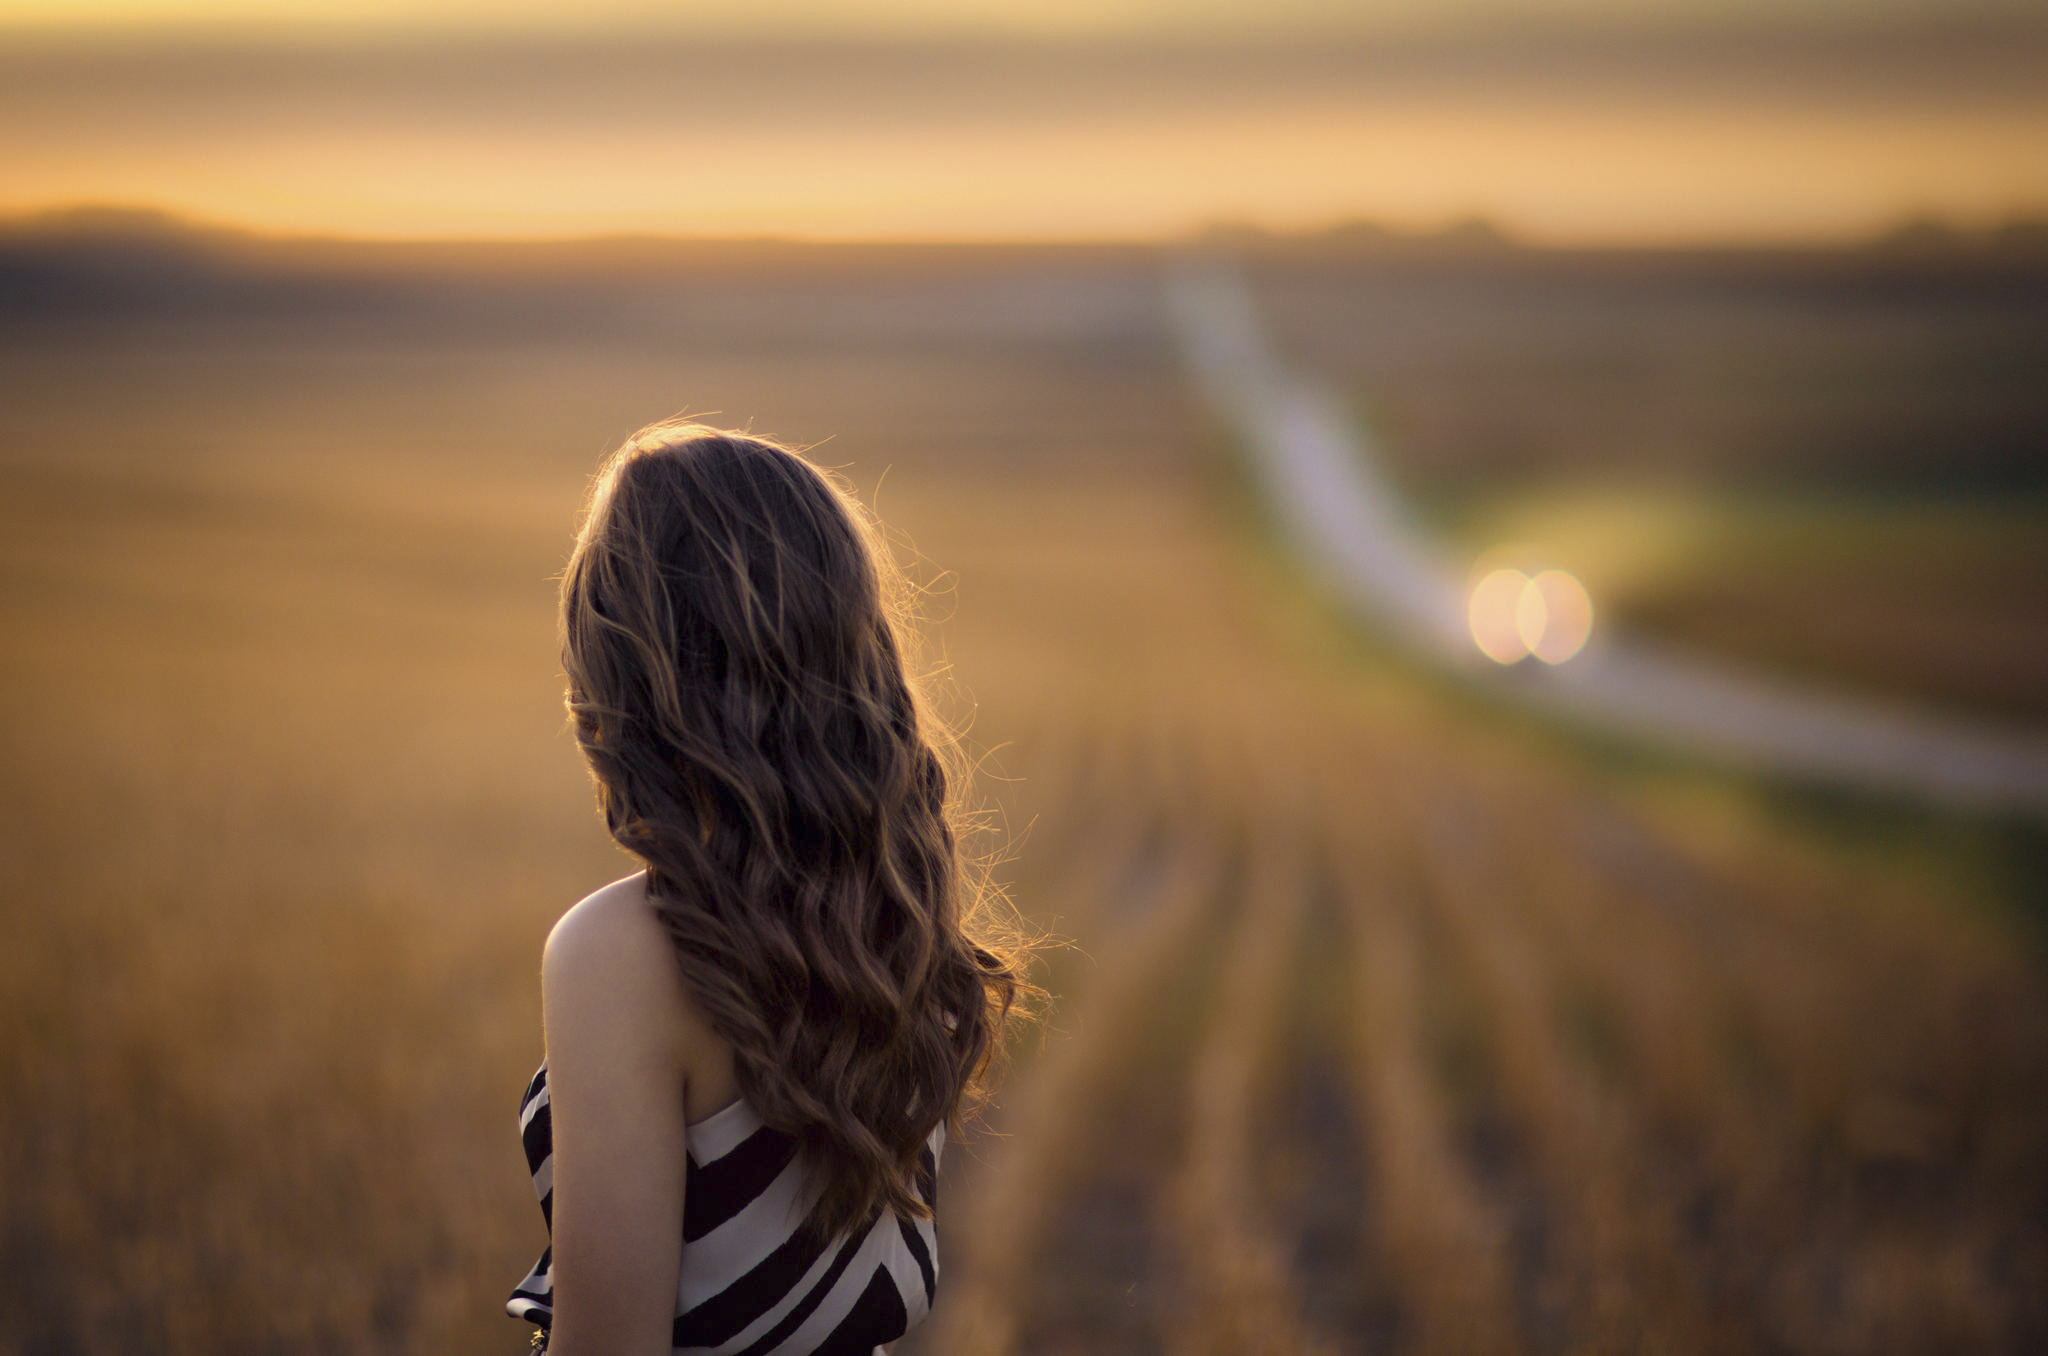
(749, 1282)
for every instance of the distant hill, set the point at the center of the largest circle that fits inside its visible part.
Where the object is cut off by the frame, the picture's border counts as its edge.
(95, 259)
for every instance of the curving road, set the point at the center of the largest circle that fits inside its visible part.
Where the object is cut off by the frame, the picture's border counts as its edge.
(1322, 481)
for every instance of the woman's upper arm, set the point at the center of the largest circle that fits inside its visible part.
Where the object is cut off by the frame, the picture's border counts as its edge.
(609, 988)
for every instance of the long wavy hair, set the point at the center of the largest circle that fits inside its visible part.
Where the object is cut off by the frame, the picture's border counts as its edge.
(737, 639)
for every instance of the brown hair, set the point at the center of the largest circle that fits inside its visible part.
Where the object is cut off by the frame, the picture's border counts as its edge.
(735, 633)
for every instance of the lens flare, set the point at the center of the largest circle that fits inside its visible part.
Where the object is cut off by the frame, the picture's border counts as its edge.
(1492, 613)
(1513, 615)
(1566, 616)
(1532, 615)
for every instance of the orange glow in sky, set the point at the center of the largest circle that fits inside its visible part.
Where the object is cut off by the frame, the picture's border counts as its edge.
(380, 119)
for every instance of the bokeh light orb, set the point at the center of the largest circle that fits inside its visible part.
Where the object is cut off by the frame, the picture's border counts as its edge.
(1567, 616)
(1492, 613)
(1513, 615)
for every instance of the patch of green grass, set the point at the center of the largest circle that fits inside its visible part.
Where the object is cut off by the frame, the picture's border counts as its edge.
(1994, 860)
(1928, 600)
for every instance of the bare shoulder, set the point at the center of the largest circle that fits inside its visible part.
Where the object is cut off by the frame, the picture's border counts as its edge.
(612, 916)
(609, 954)
(609, 929)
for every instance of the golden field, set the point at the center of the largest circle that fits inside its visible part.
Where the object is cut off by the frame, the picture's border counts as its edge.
(1380, 1028)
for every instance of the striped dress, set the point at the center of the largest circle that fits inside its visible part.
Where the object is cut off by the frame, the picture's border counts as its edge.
(749, 1283)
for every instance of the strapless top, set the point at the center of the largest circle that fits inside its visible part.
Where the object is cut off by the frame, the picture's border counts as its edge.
(750, 1281)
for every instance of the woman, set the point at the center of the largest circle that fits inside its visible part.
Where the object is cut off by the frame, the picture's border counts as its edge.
(757, 1044)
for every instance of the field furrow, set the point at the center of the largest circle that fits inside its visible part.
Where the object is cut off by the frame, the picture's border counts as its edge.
(1440, 1234)
(1240, 1293)
(1622, 1246)
(1056, 1108)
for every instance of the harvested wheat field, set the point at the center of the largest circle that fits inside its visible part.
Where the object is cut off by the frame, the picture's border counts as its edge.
(1378, 1026)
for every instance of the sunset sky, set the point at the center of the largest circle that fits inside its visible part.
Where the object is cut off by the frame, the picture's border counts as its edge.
(1584, 120)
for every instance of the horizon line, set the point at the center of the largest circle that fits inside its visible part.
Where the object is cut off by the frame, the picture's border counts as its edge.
(1471, 230)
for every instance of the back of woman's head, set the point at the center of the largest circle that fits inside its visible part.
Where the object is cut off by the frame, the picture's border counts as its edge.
(735, 632)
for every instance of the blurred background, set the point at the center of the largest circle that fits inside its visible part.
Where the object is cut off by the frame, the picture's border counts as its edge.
(1489, 552)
